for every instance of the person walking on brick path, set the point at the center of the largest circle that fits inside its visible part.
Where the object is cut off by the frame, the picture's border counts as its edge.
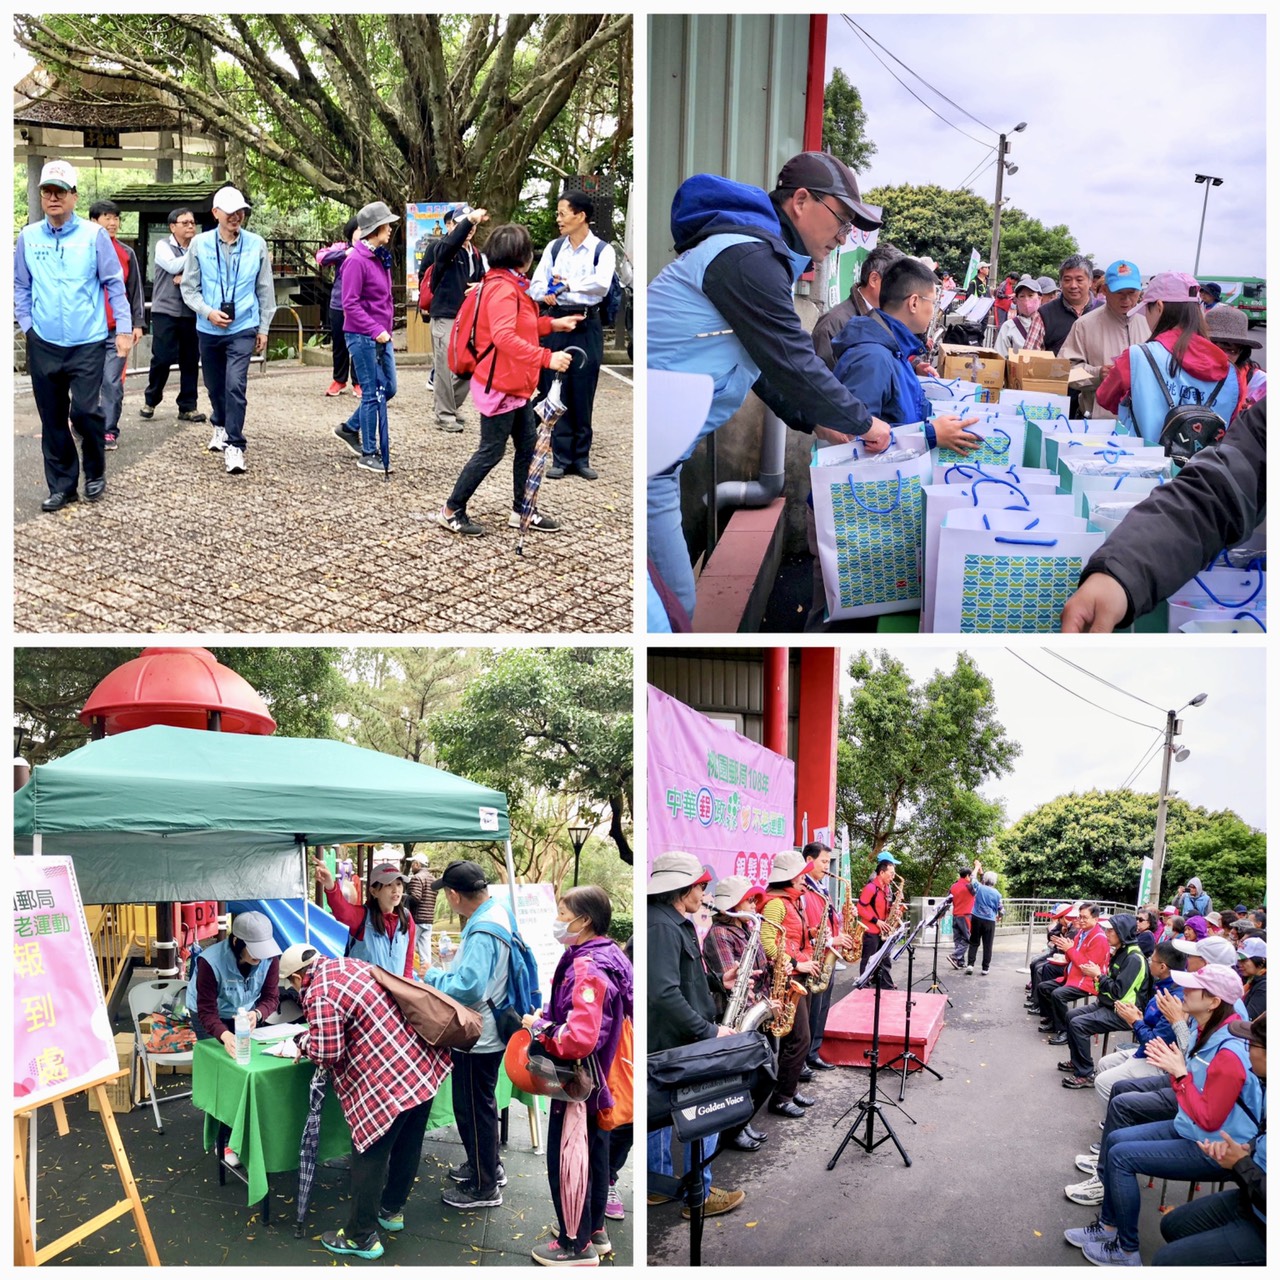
(106, 213)
(173, 323)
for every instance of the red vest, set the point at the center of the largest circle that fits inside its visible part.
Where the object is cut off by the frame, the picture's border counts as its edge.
(873, 905)
(798, 943)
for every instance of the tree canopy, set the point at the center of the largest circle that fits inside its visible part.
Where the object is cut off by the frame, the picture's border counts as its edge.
(946, 225)
(844, 123)
(911, 758)
(370, 105)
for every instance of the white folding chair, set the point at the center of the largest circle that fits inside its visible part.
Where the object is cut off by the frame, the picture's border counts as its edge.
(146, 998)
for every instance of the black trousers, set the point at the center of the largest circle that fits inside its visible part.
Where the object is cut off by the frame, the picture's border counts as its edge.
(382, 1176)
(519, 425)
(597, 1190)
(1082, 1025)
(871, 943)
(819, 1007)
(341, 357)
(792, 1053)
(981, 932)
(475, 1111)
(959, 937)
(1056, 999)
(571, 436)
(620, 1140)
(174, 341)
(67, 385)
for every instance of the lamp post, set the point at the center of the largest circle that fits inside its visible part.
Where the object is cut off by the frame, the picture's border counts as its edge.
(579, 835)
(1169, 753)
(1208, 181)
(1002, 165)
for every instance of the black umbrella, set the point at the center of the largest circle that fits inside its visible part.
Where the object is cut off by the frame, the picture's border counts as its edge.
(310, 1145)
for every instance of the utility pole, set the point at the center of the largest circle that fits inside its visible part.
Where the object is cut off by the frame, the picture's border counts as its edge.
(1208, 181)
(1002, 150)
(1171, 727)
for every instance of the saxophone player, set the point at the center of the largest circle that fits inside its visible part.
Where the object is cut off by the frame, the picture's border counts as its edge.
(873, 910)
(818, 904)
(784, 907)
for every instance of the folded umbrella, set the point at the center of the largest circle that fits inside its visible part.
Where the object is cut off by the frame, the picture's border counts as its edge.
(310, 1145)
(549, 410)
(573, 1166)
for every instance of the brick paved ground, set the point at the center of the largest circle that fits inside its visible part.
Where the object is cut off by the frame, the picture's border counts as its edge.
(306, 543)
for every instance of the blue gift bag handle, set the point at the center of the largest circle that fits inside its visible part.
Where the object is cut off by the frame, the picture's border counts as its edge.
(993, 480)
(875, 511)
(1030, 542)
(1251, 617)
(1008, 441)
(966, 470)
(1114, 455)
(1231, 604)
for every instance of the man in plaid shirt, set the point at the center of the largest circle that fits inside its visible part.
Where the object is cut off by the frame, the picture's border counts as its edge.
(385, 1077)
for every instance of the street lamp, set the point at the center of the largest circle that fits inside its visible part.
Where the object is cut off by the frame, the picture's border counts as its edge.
(579, 835)
(1208, 182)
(1169, 753)
(1002, 166)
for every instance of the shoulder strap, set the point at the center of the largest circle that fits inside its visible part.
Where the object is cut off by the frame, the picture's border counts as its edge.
(595, 262)
(1155, 368)
(1213, 397)
(556, 245)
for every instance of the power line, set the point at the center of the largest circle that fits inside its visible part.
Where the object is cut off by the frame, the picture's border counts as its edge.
(975, 173)
(1074, 694)
(859, 33)
(1148, 755)
(921, 78)
(1100, 680)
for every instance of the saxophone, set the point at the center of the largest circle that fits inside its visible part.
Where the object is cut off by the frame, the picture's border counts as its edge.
(852, 925)
(823, 956)
(785, 995)
(736, 1014)
(897, 905)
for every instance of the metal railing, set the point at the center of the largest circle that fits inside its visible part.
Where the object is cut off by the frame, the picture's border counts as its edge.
(119, 928)
(1029, 915)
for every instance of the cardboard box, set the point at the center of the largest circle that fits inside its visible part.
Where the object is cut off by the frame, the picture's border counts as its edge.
(1039, 366)
(1058, 386)
(973, 364)
(119, 1092)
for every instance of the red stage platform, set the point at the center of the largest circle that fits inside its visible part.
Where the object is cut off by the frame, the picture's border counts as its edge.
(847, 1040)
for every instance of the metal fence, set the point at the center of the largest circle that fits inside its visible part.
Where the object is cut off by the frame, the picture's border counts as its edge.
(1031, 916)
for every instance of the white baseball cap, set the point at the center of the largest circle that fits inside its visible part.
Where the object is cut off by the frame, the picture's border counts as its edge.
(230, 200)
(58, 173)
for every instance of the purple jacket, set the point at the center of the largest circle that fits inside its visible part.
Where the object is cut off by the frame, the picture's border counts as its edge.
(591, 993)
(334, 255)
(366, 294)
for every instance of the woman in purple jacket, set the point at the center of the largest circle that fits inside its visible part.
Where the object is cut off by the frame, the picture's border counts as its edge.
(368, 318)
(591, 995)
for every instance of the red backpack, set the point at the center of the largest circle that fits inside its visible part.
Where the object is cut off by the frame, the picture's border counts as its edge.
(464, 356)
(427, 287)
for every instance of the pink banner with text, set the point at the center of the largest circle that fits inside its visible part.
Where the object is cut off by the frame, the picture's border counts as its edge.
(713, 793)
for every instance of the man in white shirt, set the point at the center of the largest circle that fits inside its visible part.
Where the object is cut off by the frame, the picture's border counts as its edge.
(1026, 302)
(576, 270)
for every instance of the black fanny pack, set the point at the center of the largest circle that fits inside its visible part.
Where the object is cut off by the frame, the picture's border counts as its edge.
(705, 1087)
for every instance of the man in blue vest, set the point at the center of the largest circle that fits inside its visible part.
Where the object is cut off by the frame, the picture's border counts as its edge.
(64, 272)
(724, 307)
(227, 282)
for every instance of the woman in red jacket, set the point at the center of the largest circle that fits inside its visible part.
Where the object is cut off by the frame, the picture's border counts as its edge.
(508, 327)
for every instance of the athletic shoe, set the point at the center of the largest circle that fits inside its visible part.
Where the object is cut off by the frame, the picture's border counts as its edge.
(448, 424)
(718, 1202)
(1078, 1082)
(968, 968)
(600, 1241)
(1095, 1232)
(372, 462)
(468, 1196)
(555, 472)
(234, 459)
(543, 524)
(355, 391)
(218, 441)
(336, 388)
(656, 1197)
(230, 1159)
(584, 472)
(348, 437)
(459, 522)
(954, 963)
(1096, 1148)
(110, 441)
(187, 415)
(613, 1206)
(1108, 1253)
(465, 1173)
(1060, 1038)
(550, 1254)
(1088, 1192)
(1067, 1066)
(985, 972)
(390, 1221)
(146, 411)
(337, 1242)
(1087, 1164)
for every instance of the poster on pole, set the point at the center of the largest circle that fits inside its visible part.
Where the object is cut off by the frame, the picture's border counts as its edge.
(423, 223)
(1144, 881)
(713, 793)
(61, 1034)
(535, 906)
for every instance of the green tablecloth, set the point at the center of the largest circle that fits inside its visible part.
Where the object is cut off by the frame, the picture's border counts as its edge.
(265, 1107)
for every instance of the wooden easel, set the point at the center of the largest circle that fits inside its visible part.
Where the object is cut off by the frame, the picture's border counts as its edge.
(24, 1243)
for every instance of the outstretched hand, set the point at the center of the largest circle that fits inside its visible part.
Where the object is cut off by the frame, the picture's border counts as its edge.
(1098, 605)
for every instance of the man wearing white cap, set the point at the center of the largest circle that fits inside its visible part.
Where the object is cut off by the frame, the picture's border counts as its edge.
(64, 273)
(228, 283)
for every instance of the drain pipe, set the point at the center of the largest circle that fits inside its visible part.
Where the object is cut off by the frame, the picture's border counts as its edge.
(762, 491)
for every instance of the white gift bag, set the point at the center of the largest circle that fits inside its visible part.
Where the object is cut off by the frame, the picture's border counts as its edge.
(1101, 488)
(1148, 464)
(1003, 442)
(999, 571)
(954, 389)
(1244, 624)
(1220, 593)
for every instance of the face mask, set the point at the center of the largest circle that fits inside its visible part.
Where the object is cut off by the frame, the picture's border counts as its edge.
(563, 935)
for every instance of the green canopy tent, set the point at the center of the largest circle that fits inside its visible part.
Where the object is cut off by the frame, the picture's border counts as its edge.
(181, 815)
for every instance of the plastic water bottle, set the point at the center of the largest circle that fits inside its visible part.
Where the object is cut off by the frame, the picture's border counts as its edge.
(447, 950)
(243, 1040)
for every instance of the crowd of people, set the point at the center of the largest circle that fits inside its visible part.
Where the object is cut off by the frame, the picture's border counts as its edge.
(1180, 994)
(80, 301)
(386, 1075)
(725, 308)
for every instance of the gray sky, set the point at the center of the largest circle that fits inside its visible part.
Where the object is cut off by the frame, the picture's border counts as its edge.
(1113, 154)
(1070, 746)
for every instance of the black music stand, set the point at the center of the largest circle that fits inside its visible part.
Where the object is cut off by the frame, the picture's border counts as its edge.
(936, 984)
(906, 1057)
(870, 1106)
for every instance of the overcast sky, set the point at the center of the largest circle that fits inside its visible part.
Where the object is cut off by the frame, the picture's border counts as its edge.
(1070, 746)
(1121, 112)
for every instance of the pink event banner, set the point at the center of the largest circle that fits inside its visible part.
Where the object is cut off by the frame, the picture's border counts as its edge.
(716, 794)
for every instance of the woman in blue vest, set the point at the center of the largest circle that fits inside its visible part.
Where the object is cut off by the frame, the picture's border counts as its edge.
(241, 972)
(382, 931)
(1188, 368)
(1216, 1092)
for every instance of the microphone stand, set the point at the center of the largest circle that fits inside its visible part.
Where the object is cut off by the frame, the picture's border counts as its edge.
(907, 1057)
(870, 1107)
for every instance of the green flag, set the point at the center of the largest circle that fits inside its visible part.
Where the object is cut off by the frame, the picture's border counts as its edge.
(971, 273)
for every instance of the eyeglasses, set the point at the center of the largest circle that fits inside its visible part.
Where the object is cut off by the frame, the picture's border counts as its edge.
(843, 225)
(53, 191)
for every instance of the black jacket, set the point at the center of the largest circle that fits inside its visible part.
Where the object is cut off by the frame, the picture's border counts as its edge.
(1127, 964)
(1217, 499)
(1057, 318)
(1256, 1000)
(454, 268)
(681, 1007)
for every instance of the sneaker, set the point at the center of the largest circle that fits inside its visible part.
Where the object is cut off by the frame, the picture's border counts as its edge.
(985, 972)
(613, 1206)
(1096, 1148)
(355, 391)
(230, 1159)
(954, 963)
(1077, 1082)
(218, 441)
(555, 472)
(234, 459)
(543, 524)
(337, 1242)
(1088, 1192)
(336, 388)
(348, 437)
(656, 1197)
(1087, 1164)
(390, 1221)
(718, 1202)
(600, 1242)
(110, 441)
(1095, 1232)
(584, 472)
(968, 968)
(146, 411)
(187, 415)
(468, 1196)
(465, 1173)
(551, 1254)
(448, 424)
(459, 522)
(371, 462)
(1108, 1253)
